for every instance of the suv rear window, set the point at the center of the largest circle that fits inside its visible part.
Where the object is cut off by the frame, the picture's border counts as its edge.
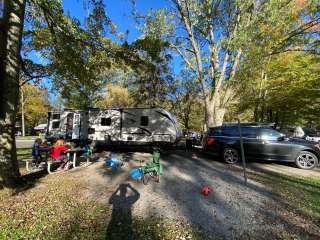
(249, 132)
(215, 131)
(230, 131)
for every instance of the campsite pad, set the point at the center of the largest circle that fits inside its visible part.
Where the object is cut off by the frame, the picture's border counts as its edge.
(232, 210)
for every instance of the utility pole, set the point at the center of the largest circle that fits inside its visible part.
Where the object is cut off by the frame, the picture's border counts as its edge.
(242, 153)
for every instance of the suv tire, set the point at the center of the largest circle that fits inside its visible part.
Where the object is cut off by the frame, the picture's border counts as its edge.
(306, 160)
(230, 155)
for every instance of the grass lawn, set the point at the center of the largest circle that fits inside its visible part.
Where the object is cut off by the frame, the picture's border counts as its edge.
(56, 208)
(302, 193)
(26, 137)
(23, 153)
(299, 202)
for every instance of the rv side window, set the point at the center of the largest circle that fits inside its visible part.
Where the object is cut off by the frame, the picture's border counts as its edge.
(56, 116)
(55, 124)
(105, 121)
(144, 121)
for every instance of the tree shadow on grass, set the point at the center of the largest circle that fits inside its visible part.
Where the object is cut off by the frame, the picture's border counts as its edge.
(28, 181)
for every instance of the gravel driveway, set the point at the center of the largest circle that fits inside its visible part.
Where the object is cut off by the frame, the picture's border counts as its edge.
(231, 211)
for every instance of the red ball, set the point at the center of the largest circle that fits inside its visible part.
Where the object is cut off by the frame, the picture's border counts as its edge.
(205, 190)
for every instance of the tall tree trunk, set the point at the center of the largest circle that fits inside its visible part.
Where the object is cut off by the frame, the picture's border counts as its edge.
(209, 113)
(214, 111)
(12, 25)
(276, 120)
(256, 112)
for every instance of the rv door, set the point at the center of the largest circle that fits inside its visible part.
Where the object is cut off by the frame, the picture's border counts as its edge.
(69, 125)
(76, 126)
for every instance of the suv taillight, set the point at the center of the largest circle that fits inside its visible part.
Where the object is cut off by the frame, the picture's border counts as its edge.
(211, 141)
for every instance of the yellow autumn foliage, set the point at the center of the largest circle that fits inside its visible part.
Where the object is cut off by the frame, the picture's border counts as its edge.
(36, 104)
(116, 96)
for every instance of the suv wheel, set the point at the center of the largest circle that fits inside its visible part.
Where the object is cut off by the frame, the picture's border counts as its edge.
(230, 155)
(306, 160)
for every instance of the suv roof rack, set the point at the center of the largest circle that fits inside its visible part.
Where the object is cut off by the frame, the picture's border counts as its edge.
(251, 124)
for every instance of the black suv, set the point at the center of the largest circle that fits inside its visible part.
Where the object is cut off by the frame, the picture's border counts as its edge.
(260, 143)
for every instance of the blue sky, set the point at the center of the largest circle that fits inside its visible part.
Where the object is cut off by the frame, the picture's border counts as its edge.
(120, 13)
(118, 10)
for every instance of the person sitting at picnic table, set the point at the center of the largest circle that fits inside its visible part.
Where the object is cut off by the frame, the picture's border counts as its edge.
(44, 144)
(45, 150)
(86, 152)
(37, 158)
(57, 153)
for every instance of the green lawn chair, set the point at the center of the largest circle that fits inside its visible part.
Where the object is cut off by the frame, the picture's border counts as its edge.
(153, 168)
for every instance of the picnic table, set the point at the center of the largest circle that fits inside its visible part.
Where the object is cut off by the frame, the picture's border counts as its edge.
(73, 151)
(71, 155)
(70, 152)
(45, 150)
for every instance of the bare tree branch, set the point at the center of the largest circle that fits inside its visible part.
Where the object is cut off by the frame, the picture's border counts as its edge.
(184, 57)
(187, 22)
(30, 77)
(300, 49)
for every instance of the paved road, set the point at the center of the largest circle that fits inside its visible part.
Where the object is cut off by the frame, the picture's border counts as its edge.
(24, 143)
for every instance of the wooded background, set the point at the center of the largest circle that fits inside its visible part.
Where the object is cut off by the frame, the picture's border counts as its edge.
(253, 60)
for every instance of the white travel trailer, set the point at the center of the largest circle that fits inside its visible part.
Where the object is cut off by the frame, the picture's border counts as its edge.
(70, 124)
(133, 126)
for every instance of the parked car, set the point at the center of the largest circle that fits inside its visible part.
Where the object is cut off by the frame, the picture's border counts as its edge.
(260, 143)
(312, 134)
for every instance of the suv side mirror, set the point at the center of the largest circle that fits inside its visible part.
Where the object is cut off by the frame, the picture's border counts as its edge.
(282, 138)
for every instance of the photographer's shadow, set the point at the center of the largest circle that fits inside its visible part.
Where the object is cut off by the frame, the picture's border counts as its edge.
(120, 225)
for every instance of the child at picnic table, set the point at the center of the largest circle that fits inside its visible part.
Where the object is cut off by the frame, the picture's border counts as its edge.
(57, 153)
(45, 144)
(37, 158)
